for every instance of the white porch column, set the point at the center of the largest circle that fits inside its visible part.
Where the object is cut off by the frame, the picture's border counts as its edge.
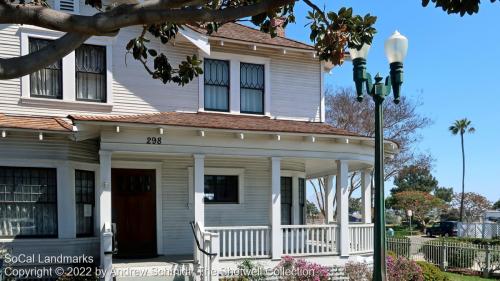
(295, 200)
(66, 208)
(343, 206)
(105, 219)
(276, 233)
(199, 189)
(366, 196)
(329, 197)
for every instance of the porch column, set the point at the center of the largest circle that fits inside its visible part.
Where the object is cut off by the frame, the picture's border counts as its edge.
(329, 198)
(295, 200)
(105, 219)
(199, 189)
(276, 233)
(366, 196)
(343, 206)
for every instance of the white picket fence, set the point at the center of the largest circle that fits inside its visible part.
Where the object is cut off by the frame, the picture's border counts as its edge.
(486, 230)
(361, 238)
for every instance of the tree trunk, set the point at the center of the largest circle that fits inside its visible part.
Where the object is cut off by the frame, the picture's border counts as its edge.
(463, 179)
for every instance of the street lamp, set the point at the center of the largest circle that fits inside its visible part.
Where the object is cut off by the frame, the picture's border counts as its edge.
(396, 48)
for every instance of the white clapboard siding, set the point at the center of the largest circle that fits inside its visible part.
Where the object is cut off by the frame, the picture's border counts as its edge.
(295, 81)
(27, 146)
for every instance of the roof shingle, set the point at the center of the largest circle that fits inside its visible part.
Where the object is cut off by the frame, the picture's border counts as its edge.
(220, 121)
(240, 32)
(34, 123)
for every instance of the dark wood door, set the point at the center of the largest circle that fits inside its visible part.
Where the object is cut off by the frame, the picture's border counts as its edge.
(134, 212)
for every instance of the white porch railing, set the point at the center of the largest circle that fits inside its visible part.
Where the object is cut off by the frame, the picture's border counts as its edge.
(303, 240)
(205, 251)
(243, 241)
(361, 238)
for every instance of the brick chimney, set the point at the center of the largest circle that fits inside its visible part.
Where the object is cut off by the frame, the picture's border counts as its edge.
(278, 24)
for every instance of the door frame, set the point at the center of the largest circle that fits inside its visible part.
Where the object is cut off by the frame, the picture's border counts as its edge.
(149, 165)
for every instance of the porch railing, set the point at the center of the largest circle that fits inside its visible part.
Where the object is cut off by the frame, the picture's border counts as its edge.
(205, 255)
(310, 239)
(243, 241)
(361, 238)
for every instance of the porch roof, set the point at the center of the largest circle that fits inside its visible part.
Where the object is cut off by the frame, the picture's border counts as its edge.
(39, 123)
(220, 121)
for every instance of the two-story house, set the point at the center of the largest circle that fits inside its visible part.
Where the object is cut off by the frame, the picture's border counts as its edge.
(92, 142)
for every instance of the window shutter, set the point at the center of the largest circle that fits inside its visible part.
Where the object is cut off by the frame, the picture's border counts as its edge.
(70, 6)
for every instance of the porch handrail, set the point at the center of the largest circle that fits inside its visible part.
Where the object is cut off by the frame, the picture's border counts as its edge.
(309, 226)
(193, 228)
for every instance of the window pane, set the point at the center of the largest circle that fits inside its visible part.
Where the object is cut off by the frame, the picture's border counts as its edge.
(221, 189)
(302, 200)
(216, 91)
(91, 73)
(286, 200)
(252, 88)
(28, 202)
(85, 202)
(46, 82)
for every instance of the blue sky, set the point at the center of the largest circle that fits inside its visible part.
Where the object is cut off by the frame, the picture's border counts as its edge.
(452, 68)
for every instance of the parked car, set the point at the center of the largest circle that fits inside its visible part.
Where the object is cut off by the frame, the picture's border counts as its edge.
(443, 228)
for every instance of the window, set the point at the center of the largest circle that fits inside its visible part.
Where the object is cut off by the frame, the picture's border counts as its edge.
(286, 200)
(221, 189)
(28, 202)
(85, 202)
(302, 200)
(216, 85)
(252, 88)
(90, 67)
(46, 82)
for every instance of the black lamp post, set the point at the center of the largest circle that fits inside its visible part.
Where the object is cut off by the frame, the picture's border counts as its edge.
(396, 48)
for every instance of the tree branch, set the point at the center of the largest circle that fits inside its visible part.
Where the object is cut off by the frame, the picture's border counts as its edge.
(20, 66)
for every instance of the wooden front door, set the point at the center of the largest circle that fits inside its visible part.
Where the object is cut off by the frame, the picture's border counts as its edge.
(134, 212)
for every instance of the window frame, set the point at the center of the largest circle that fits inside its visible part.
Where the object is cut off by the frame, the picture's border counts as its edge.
(263, 89)
(68, 101)
(55, 203)
(104, 73)
(94, 211)
(289, 205)
(234, 86)
(240, 172)
(61, 80)
(224, 202)
(228, 86)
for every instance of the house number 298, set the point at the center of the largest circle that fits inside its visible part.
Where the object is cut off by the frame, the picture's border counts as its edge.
(153, 140)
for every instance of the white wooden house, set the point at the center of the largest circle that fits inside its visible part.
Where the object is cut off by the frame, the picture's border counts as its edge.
(93, 141)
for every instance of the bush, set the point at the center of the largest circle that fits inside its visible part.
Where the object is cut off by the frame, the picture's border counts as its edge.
(432, 272)
(401, 269)
(247, 271)
(460, 255)
(357, 271)
(290, 269)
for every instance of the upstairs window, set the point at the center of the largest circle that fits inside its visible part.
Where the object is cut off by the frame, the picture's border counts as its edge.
(90, 73)
(252, 88)
(221, 189)
(46, 82)
(216, 85)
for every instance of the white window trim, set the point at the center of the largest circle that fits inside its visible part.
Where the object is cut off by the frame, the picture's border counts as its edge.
(234, 81)
(240, 172)
(68, 100)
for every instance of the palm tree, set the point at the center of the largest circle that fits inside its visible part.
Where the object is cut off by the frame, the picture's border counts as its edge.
(462, 126)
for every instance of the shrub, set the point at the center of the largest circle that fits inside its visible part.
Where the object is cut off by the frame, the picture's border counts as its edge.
(432, 272)
(357, 271)
(247, 271)
(290, 269)
(402, 269)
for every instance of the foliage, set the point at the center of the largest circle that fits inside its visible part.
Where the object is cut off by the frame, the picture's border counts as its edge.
(291, 269)
(354, 205)
(250, 271)
(421, 204)
(357, 271)
(456, 7)
(415, 178)
(399, 269)
(496, 206)
(432, 272)
(457, 256)
(311, 208)
(474, 204)
(443, 193)
(459, 277)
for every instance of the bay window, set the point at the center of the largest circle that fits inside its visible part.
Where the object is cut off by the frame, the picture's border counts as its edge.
(286, 200)
(28, 202)
(85, 202)
(216, 86)
(252, 88)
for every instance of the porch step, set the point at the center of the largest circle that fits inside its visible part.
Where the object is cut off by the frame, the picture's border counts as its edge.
(161, 268)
